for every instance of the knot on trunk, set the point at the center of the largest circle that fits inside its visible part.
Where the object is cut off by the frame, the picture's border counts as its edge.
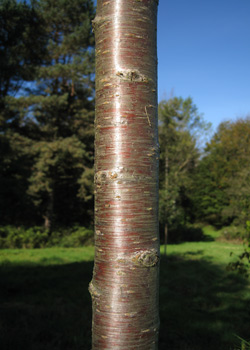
(104, 176)
(132, 75)
(93, 290)
(118, 175)
(98, 21)
(147, 258)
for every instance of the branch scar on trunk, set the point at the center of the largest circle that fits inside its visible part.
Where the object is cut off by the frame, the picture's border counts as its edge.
(132, 76)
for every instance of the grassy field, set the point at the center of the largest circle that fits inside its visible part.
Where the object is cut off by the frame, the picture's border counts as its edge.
(45, 304)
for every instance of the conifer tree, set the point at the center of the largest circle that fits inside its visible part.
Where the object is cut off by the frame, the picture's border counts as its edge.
(22, 49)
(22, 44)
(59, 112)
(180, 125)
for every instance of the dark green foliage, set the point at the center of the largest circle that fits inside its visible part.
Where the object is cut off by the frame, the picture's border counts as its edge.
(245, 345)
(63, 114)
(55, 180)
(22, 49)
(22, 44)
(13, 237)
(39, 237)
(78, 237)
(185, 233)
(15, 169)
(221, 190)
(242, 264)
(208, 196)
(48, 140)
(180, 128)
(234, 233)
(75, 236)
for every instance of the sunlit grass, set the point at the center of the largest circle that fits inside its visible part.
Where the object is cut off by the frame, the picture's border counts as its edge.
(48, 256)
(217, 252)
(211, 231)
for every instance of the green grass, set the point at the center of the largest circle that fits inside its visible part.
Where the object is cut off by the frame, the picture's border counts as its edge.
(211, 232)
(45, 304)
(203, 306)
(48, 256)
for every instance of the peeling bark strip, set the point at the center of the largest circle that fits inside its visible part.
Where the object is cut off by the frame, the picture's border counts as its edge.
(124, 288)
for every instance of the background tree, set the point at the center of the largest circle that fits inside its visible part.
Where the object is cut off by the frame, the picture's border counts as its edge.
(21, 50)
(22, 45)
(222, 189)
(180, 128)
(59, 113)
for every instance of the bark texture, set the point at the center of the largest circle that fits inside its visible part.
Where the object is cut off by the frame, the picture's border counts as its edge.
(124, 288)
(166, 213)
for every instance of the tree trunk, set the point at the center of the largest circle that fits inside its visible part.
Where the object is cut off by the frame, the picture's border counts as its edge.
(48, 217)
(165, 238)
(124, 288)
(166, 191)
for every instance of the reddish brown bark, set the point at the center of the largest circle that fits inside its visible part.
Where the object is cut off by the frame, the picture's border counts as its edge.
(124, 288)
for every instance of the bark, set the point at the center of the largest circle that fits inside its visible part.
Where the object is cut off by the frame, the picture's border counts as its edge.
(48, 217)
(47, 222)
(165, 238)
(124, 288)
(166, 214)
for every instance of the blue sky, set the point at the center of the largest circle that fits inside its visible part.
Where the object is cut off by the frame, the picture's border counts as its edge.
(204, 52)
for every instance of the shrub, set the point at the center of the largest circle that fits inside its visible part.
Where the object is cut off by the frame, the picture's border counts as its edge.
(79, 237)
(186, 233)
(35, 237)
(11, 237)
(38, 237)
(245, 345)
(19, 237)
(235, 233)
(242, 265)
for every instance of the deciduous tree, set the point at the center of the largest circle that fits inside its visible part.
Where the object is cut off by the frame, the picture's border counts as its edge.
(180, 127)
(222, 190)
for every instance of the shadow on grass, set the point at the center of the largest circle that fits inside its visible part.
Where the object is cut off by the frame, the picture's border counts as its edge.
(45, 307)
(49, 307)
(202, 306)
(183, 233)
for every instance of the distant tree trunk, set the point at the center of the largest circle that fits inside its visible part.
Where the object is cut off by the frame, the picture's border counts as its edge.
(124, 288)
(46, 222)
(166, 214)
(48, 217)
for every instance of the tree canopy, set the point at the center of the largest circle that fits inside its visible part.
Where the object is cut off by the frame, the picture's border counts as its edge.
(221, 191)
(180, 127)
(52, 119)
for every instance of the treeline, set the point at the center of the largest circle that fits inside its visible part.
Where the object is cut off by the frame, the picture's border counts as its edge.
(47, 135)
(47, 112)
(198, 185)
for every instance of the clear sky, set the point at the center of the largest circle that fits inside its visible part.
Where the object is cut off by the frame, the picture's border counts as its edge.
(204, 52)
